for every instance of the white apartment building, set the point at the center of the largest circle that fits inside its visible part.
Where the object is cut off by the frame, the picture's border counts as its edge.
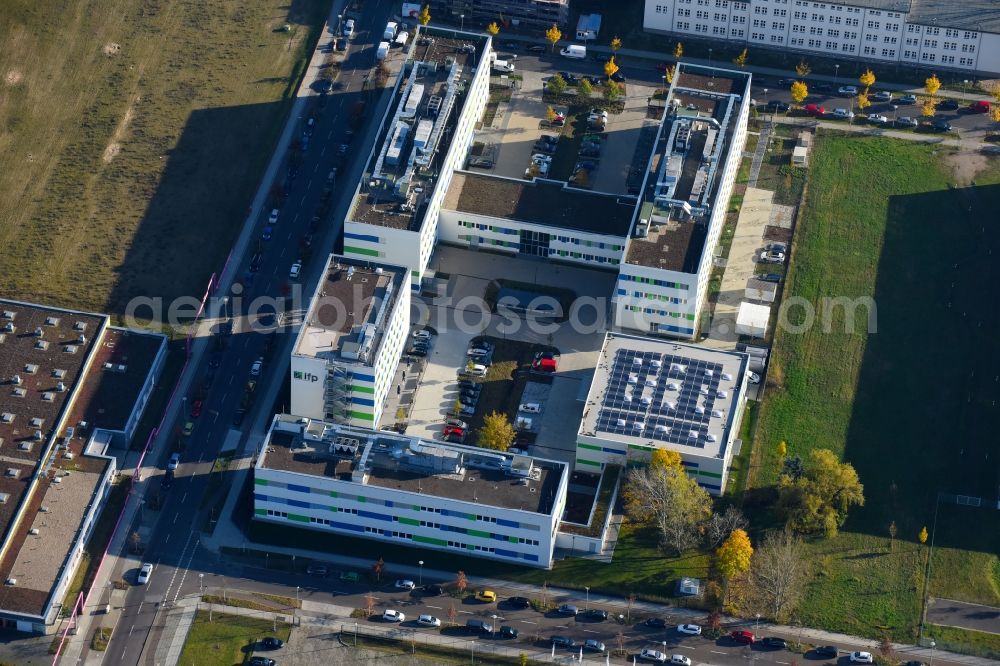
(650, 394)
(350, 342)
(440, 94)
(663, 278)
(401, 489)
(949, 34)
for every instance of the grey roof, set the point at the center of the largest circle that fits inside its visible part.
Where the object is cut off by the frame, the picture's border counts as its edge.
(981, 15)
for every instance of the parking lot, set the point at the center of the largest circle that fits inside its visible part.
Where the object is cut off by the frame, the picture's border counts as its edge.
(511, 141)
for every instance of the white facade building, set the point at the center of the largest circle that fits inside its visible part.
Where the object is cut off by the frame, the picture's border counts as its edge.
(962, 36)
(391, 487)
(650, 394)
(663, 279)
(425, 135)
(350, 343)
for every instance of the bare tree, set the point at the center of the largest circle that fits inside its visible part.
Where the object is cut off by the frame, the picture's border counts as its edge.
(370, 604)
(672, 501)
(452, 614)
(461, 582)
(778, 573)
(721, 525)
(136, 542)
(621, 642)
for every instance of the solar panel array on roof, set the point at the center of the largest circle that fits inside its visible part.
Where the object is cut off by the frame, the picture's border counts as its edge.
(661, 397)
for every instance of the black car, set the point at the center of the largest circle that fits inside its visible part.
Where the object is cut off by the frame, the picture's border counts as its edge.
(618, 77)
(508, 632)
(168, 479)
(770, 277)
(656, 623)
(826, 651)
(262, 661)
(238, 417)
(774, 642)
(596, 614)
(946, 105)
(567, 609)
(571, 79)
(513, 46)
(538, 48)
(563, 641)
(785, 82)
(777, 105)
(341, 44)
(322, 86)
(419, 353)
(519, 602)
(940, 126)
(433, 590)
(603, 57)
(821, 87)
(271, 643)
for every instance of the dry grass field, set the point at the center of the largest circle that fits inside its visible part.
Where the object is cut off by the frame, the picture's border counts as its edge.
(132, 136)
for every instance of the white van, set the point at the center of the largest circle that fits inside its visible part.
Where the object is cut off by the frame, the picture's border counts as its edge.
(382, 52)
(504, 66)
(401, 38)
(349, 28)
(389, 33)
(574, 51)
(477, 370)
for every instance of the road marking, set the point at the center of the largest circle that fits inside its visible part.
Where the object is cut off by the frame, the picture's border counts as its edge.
(528, 622)
(131, 629)
(167, 539)
(184, 498)
(139, 609)
(330, 135)
(685, 647)
(231, 378)
(591, 631)
(717, 652)
(435, 607)
(226, 394)
(176, 516)
(280, 255)
(466, 612)
(781, 662)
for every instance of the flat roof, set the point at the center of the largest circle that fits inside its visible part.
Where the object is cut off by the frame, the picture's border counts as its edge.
(979, 15)
(539, 201)
(667, 394)
(692, 146)
(415, 136)
(411, 464)
(347, 313)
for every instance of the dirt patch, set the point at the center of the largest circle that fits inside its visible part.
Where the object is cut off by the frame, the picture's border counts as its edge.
(114, 146)
(965, 165)
(111, 48)
(13, 77)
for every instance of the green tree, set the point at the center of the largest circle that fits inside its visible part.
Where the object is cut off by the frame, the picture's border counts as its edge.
(799, 92)
(496, 433)
(553, 35)
(818, 500)
(803, 69)
(493, 29)
(425, 15)
(616, 43)
(669, 500)
(556, 85)
(610, 67)
(612, 91)
(584, 89)
(741, 60)
(732, 558)
(678, 51)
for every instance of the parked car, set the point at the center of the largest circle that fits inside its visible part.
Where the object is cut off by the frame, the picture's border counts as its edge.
(906, 122)
(947, 105)
(316, 570)
(422, 334)
(826, 651)
(862, 658)
(877, 119)
(648, 654)
(174, 462)
(486, 595)
(188, 428)
(777, 247)
(743, 637)
(530, 408)
(457, 423)
(770, 277)
(417, 351)
(256, 367)
(508, 632)
(258, 660)
(815, 110)
(145, 571)
(772, 257)
(596, 614)
(428, 621)
(271, 643)
(941, 126)
(689, 629)
(273, 217)
(982, 106)
(680, 660)
(196, 408)
(538, 48)
(593, 645)
(881, 96)
(404, 584)
(432, 590)
(842, 114)
(776, 105)
(848, 91)
(563, 641)
(753, 377)
(906, 99)
(295, 270)
(655, 623)
(774, 642)
(478, 627)
(519, 602)
(393, 616)
(568, 609)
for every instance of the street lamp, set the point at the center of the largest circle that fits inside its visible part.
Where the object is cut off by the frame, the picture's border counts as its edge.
(966, 88)
(587, 587)
(765, 104)
(836, 73)
(201, 583)
(933, 645)
(710, 58)
(421, 579)
(462, 17)
(757, 629)
(472, 654)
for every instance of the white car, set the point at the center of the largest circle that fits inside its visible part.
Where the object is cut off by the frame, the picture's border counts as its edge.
(689, 629)
(842, 114)
(174, 462)
(403, 584)
(847, 90)
(273, 219)
(862, 658)
(255, 368)
(144, 573)
(876, 119)
(393, 616)
(540, 158)
(882, 96)
(753, 377)
(477, 352)
(428, 621)
(772, 257)
(653, 655)
(422, 334)
(680, 660)
(295, 270)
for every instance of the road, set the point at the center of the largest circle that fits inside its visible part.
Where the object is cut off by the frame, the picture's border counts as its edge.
(172, 544)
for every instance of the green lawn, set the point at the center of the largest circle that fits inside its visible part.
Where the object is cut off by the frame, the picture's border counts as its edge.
(227, 640)
(911, 405)
(134, 133)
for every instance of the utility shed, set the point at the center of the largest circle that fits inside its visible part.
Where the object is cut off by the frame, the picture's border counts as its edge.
(752, 319)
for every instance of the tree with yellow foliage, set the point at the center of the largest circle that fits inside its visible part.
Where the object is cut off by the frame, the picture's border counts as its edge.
(799, 92)
(732, 558)
(741, 60)
(665, 458)
(803, 69)
(782, 449)
(867, 78)
(670, 74)
(932, 84)
(995, 115)
(493, 29)
(553, 34)
(678, 51)
(616, 44)
(863, 101)
(425, 15)
(927, 107)
(922, 537)
(610, 67)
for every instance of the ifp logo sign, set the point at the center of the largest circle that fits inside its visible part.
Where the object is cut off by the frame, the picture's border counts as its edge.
(304, 376)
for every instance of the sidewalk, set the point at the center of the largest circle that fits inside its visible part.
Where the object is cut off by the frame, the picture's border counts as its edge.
(965, 144)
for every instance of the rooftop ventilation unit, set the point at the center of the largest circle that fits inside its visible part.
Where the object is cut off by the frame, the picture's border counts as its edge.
(38, 435)
(30, 368)
(39, 332)
(52, 321)
(61, 387)
(11, 581)
(16, 380)
(43, 508)
(13, 472)
(636, 361)
(80, 326)
(33, 531)
(41, 344)
(48, 396)
(59, 373)
(81, 339)
(35, 422)
(19, 392)
(9, 327)
(9, 314)
(70, 349)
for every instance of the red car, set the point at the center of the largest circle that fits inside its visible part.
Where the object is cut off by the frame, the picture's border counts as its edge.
(981, 106)
(196, 408)
(814, 110)
(743, 637)
(451, 433)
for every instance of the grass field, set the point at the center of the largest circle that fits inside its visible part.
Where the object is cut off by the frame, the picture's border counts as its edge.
(225, 641)
(912, 405)
(134, 133)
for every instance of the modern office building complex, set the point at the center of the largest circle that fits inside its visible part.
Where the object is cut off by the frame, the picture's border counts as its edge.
(426, 134)
(350, 342)
(955, 35)
(400, 489)
(477, 14)
(650, 394)
(75, 388)
(663, 278)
